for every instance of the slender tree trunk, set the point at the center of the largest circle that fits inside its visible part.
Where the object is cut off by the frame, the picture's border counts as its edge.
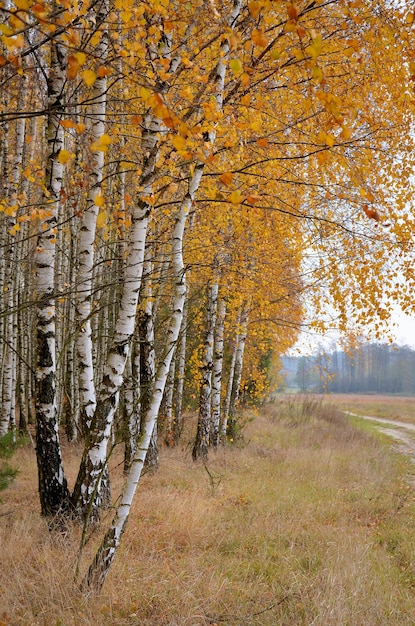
(168, 402)
(53, 489)
(201, 444)
(85, 248)
(132, 406)
(217, 372)
(86, 496)
(105, 555)
(147, 353)
(232, 430)
(181, 372)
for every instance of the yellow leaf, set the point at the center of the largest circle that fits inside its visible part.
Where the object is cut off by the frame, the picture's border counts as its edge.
(99, 201)
(258, 38)
(235, 197)
(103, 71)
(101, 219)
(179, 142)
(22, 4)
(226, 178)
(72, 67)
(80, 57)
(6, 30)
(101, 144)
(252, 199)
(15, 228)
(64, 156)
(245, 80)
(67, 123)
(254, 8)
(318, 74)
(235, 66)
(290, 27)
(322, 157)
(292, 11)
(144, 93)
(330, 140)
(10, 211)
(346, 132)
(89, 77)
(256, 126)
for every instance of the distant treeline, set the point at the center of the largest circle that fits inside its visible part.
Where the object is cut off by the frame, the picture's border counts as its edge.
(370, 368)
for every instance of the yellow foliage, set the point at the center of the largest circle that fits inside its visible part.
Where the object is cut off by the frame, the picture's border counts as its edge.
(89, 77)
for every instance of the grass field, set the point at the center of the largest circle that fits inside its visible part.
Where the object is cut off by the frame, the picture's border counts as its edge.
(401, 408)
(311, 521)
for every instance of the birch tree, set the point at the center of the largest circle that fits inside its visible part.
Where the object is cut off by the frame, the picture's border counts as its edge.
(53, 489)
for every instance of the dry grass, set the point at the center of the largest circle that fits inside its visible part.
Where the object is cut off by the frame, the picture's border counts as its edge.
(401, 408)
(310, 523)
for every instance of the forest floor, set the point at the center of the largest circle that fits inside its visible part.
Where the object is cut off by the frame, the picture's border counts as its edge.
(308, 520)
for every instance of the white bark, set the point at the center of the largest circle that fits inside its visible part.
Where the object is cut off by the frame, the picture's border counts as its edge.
(53, 488)
(231, 429)
(217, 372)
(229, 387)
(94, 459)
(181, 371)
(201, 445)
(87, 237)
(86, 492)
(168, 403)
(106, 552)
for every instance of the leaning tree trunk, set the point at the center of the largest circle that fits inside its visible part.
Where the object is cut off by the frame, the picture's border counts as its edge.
(105, 555)
(53, 489)
(86, 495)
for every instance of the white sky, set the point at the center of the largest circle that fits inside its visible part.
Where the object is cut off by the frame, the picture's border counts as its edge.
(405, 331)
(402, 332)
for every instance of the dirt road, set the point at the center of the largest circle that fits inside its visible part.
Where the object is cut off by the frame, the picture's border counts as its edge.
(402, 432)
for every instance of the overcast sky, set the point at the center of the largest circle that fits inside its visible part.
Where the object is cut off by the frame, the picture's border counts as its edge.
(403, 333)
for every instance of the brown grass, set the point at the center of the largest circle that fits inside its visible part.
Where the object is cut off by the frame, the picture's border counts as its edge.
(401, 408)
(309, 523)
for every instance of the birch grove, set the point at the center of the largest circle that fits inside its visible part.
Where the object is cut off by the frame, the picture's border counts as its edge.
(178, 183)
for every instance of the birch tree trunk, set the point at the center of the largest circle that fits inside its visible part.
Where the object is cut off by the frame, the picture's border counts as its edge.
(168, 402)
(87, 236)
(201, 444)
(86, 496)
(132, 405)
(217, 372)
(53, 489)
(231, 427)
(181, 371)
(147, 354)
(104, 557)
